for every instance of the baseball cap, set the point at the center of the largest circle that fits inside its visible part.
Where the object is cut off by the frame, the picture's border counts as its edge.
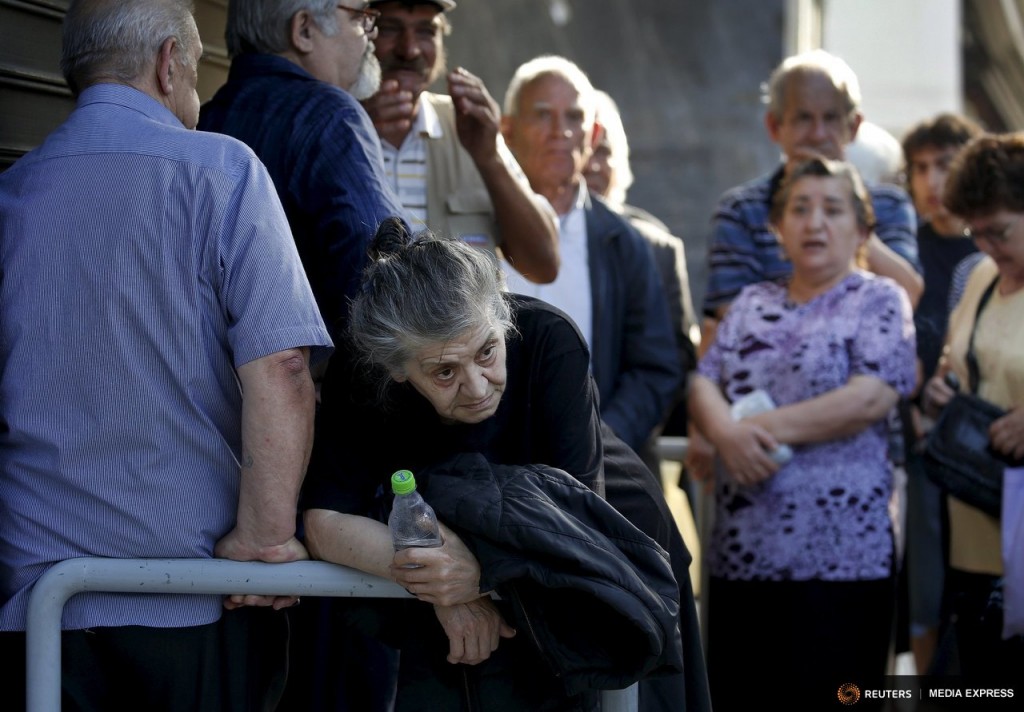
(445, 5)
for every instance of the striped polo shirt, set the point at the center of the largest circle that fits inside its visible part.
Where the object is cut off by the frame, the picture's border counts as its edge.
(406, 166)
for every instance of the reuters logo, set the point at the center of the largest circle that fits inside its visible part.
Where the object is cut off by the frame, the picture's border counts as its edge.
(849, 694)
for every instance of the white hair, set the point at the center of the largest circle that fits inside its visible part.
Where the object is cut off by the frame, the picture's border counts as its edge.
(816, 61)
(610, 120)
(113, 40)
(263, 26)
(550, 65)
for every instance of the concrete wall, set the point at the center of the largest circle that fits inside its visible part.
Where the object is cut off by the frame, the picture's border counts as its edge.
(686, 76)
(906, 55)
(33, 96)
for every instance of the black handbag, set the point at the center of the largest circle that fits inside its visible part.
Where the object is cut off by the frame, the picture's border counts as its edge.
(958, 456)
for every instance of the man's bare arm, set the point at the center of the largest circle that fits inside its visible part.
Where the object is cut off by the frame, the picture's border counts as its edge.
(883, 260)
(277, 436)
(529, 228)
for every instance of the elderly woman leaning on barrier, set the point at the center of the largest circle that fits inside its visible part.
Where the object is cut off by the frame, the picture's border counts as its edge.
(801, 554)
(463, 383)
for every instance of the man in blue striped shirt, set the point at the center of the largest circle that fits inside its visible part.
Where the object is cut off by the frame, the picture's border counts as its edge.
(813, 109)
(156, 329)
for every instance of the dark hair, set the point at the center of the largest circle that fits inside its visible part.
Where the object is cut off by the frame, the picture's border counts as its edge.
(987, 176)
(420, 290)
(943, 131)
(825, 168)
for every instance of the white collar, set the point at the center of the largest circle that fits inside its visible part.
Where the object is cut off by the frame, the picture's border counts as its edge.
(427, 123)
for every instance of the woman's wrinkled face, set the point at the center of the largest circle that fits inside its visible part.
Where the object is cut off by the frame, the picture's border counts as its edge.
(819, 230)
(463, 378)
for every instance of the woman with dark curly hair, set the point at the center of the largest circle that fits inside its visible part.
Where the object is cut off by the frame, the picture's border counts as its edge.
(984, 348)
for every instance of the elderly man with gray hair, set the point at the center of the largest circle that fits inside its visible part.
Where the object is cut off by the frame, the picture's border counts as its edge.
(813, 108)
(609, 286)
(608, 282)
(155, 335)
(298, 69)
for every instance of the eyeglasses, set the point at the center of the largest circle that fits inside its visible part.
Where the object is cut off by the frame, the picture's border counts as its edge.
(367, 17)
(994, 236)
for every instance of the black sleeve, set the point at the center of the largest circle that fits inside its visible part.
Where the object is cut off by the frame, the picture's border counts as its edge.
(565, 419)
(349, 427)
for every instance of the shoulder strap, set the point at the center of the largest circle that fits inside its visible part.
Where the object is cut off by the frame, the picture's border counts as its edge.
(973, 372)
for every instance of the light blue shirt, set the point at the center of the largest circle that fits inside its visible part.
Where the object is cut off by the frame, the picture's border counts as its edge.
(140, 265)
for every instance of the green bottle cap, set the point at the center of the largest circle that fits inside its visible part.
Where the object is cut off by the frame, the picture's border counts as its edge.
(402, 482)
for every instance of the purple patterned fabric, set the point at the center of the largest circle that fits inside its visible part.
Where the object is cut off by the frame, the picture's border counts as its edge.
(824, 515)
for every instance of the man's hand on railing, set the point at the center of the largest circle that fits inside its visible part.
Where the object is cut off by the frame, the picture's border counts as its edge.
(234, 546)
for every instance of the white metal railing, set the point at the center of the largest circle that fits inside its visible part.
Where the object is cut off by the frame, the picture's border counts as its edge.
(204, 576)
(673, 447)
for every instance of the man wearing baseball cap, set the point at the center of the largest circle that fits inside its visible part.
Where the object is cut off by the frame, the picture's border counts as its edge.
(444, 153)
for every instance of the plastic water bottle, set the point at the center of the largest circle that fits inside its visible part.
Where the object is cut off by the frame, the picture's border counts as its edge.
(412, 521)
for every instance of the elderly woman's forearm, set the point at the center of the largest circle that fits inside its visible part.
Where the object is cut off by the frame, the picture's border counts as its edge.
(350, 540)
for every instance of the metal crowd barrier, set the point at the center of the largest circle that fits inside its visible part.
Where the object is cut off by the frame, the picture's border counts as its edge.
(206, 576)
(673, 447)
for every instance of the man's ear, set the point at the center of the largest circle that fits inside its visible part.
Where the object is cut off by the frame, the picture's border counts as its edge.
(506, 127)
(855, 125)
(771, 124)
(166, 64)
(300, 31)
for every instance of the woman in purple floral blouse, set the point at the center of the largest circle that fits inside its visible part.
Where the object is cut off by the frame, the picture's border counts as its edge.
(801, 555)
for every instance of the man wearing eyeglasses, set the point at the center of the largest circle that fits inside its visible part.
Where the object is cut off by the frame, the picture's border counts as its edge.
(292, 96)
(443, 153)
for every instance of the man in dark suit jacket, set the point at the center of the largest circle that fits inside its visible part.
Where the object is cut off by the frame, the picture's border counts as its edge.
(608, 282)
(609, 175)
